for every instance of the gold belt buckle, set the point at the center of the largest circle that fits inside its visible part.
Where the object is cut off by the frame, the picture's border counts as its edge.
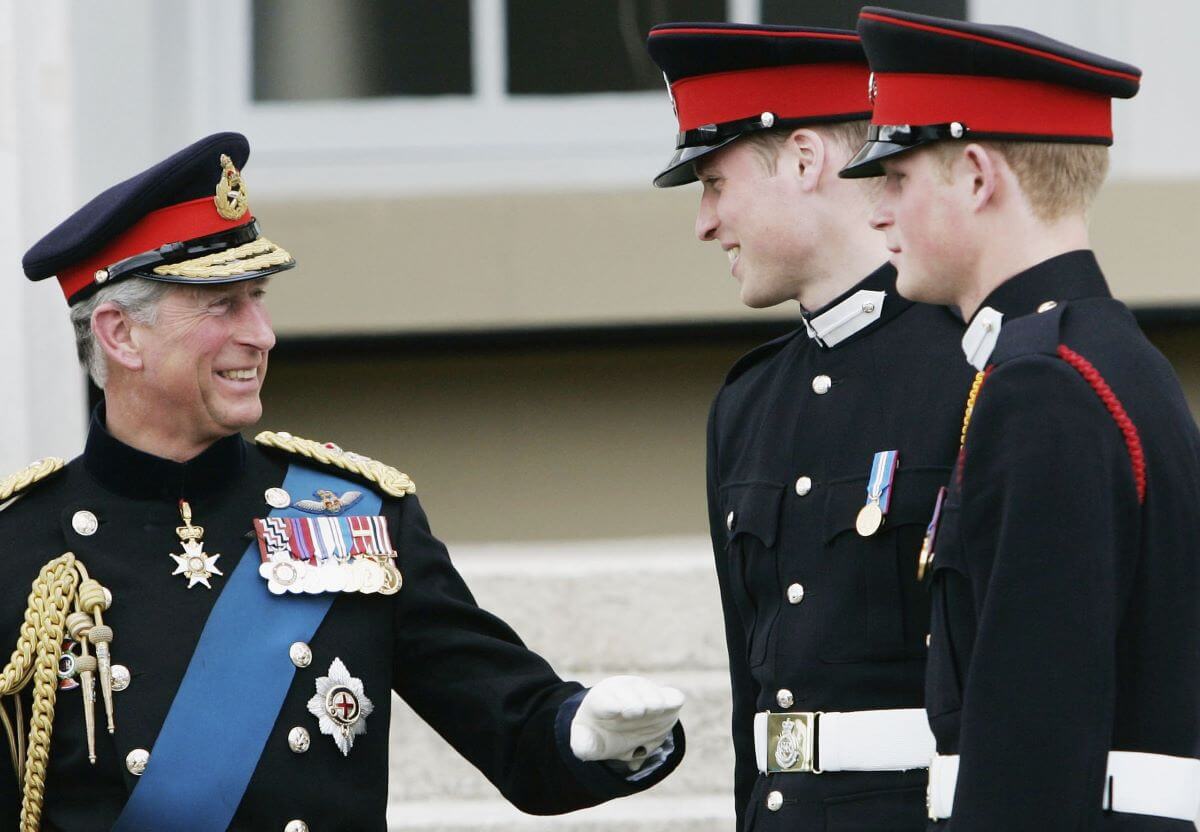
(790, 743)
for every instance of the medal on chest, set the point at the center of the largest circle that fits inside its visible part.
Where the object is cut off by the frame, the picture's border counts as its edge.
(879, 493)
(193, 564)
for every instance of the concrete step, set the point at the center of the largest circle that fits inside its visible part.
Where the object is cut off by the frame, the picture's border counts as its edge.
(645, 812)
(425, 767)
(634, 606)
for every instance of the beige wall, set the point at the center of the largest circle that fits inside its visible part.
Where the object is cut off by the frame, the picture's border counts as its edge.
(542, 445)
(469, 262)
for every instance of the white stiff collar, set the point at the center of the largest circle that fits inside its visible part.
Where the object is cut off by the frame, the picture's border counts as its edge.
(980, 338)
(852, 315)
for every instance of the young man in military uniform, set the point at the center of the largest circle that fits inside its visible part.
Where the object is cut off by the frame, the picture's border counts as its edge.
(1064, 670)
(827, 447)
(230, 619)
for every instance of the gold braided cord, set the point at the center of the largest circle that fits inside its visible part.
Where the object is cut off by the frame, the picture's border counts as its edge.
(38, 470)
(36, 658)
(971, 397)
(389, 480)
(251, 257)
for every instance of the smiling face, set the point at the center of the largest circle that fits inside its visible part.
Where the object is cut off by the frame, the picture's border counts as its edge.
(203, 361)
(924, 211)
(752, 212)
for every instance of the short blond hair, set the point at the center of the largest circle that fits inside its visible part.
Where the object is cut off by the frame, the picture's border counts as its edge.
(849, 135)
(1058, 178)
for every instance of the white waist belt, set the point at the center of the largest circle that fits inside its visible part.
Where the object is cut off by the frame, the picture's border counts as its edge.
(888, 740)
(1139, 783)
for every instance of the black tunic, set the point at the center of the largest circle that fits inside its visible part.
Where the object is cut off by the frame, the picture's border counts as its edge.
(857, 639)
(1066, 611)
(460, 668)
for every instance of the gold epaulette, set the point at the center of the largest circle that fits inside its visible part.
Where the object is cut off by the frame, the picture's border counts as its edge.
(389, 480)
(33, 473)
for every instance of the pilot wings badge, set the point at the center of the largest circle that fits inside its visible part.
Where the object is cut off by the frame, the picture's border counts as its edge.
(327, 502)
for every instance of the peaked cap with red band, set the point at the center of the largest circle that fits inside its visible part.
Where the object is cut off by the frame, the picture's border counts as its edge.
(935, 79)
(184, 220)
(728, 79)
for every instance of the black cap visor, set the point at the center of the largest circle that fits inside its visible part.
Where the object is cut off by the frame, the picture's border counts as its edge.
(885, 141)
(681, 169)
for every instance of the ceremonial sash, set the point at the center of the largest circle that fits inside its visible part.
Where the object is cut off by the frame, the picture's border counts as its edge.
(232, 691)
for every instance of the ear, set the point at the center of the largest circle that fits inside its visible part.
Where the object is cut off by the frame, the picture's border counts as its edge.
(808, 151)
(983, 169)
(114, 333)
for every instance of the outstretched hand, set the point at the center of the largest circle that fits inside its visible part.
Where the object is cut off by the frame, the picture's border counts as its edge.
(624, 718)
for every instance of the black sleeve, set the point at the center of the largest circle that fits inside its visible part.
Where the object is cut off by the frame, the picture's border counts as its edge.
(467, 674)
(744, 688)
(1049, 499)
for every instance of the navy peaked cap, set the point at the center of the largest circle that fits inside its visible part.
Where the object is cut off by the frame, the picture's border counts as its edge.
(159, 223)
(729, 79)
(935, 79)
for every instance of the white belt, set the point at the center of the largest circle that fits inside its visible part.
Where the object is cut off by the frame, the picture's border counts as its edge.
(1139, 783)
(889, 740)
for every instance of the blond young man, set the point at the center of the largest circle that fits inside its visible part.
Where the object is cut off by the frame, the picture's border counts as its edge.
(827, 447)
(1064, 670)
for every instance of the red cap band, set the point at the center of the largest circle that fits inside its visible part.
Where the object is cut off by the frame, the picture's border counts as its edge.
(173, 224)
(808, 91)
(992, 105)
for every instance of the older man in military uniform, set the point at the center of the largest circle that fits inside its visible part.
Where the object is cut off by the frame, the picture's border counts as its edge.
(827, 447)
(1064, 670)
(215, 627)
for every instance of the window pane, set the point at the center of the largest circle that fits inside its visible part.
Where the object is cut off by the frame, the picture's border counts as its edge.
(361, 48)
(557, 47)
(838, 14)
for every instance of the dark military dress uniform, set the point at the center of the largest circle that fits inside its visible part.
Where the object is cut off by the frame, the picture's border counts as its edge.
(819, 618)
(460, 668)
(310, 744)
(1064, 669)
(1066, 576)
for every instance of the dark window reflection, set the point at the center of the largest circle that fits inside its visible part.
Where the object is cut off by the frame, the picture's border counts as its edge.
(360, 48)
(581, 46)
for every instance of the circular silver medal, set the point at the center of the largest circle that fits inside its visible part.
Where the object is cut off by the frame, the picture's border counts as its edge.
(352, 577)
(870, 518)
(373, 576)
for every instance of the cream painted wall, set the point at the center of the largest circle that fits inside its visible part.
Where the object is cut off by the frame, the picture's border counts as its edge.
(487, 261)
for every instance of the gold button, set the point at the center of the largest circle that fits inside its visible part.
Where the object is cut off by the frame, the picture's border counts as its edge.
(1047, 306)
(775, 801)
(136, 761)
(795, 593)
(300, 654)
(803, 486)
(821, 384)
(785, 698)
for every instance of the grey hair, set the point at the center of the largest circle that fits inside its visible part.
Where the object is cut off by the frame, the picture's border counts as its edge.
(136, 296)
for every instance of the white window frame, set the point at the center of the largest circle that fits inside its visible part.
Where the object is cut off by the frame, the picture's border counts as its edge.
(487, 140)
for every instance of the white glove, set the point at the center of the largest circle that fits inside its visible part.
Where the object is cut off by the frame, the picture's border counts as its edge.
(624, 718)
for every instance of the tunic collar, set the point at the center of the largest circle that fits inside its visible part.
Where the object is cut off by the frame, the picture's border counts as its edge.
(867, 305)
(1069, 276)
(136, 474)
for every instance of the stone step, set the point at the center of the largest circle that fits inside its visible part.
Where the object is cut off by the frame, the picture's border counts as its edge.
(634, 606)
(647, 812)
(424, 767)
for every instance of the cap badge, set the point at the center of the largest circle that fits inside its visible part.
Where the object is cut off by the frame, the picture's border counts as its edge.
(231, 192)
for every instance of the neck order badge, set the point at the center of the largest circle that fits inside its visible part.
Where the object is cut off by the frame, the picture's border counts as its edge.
(210, 741)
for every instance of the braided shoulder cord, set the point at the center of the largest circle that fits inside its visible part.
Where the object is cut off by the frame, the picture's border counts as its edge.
(389, 480)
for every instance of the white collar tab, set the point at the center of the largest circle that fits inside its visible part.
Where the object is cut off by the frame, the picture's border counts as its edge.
(847, 318)
(981, 336)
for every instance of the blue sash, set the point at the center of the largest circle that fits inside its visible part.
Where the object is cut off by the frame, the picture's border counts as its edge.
(211, 741)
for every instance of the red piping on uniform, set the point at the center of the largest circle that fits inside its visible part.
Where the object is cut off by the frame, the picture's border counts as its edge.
(809, 91)
(1002, 43)
(756, 33)
(992, 105)
(173, 224)
(1092, 376)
